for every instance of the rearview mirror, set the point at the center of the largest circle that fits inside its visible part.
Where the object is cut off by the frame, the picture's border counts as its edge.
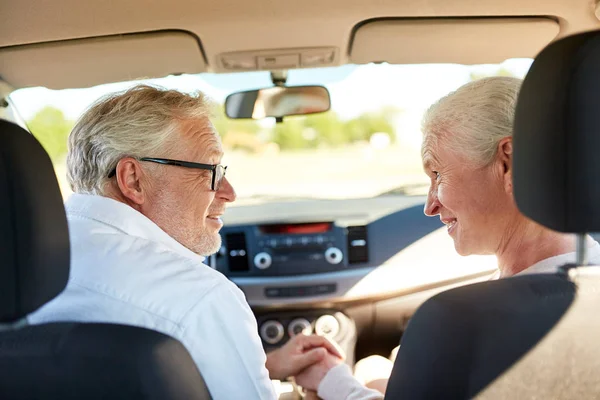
(278, 102)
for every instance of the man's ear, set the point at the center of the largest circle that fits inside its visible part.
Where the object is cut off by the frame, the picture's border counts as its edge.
(129, 176)
(505, 158)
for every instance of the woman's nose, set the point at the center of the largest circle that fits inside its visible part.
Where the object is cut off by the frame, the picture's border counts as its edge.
(432, 205)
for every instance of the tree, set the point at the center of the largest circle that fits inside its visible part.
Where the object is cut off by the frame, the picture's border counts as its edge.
(51, 129)
(367, 124)
(289, 135)
(239, 134)
(328, 127)
(305, 132)
(224, 124)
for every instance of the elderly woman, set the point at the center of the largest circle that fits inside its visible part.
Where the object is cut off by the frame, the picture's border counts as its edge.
(467, 153)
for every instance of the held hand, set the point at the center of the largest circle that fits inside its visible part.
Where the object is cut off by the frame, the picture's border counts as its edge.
(312, 376)
(298, 353)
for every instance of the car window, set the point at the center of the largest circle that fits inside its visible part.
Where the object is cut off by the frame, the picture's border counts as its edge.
(367, 145)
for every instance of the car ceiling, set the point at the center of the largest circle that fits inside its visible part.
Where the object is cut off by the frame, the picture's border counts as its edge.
(183, 36)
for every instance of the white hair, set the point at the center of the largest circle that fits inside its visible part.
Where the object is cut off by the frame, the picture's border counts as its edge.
(138, 122)
(473, 119)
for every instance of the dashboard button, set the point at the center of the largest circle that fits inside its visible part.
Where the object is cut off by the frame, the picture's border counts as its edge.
(299, 325)
(323, 289)
(327, 325)
(333, 255)
(271, 331)
(316, 256)
(262, 260)
(300, 291)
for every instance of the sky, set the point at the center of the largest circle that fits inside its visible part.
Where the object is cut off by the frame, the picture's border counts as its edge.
(354, 89)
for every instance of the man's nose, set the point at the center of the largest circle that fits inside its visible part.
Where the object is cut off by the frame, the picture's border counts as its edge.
(226, 191)
(432, 206)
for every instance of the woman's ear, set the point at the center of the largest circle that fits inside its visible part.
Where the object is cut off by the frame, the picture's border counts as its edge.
(505, 157)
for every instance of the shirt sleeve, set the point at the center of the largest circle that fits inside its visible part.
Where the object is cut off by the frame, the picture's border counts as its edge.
(221, 334)
(340, 384)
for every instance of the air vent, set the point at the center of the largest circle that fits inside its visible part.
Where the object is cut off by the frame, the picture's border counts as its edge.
(358, 248)
(237, 254)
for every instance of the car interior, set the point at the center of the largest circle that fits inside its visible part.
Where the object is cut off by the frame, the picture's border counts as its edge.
(351, 256)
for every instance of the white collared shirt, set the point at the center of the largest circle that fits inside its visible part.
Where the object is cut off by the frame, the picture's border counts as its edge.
(126, 270)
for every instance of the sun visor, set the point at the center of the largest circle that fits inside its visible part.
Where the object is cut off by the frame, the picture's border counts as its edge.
(82, 63)
(451, 40)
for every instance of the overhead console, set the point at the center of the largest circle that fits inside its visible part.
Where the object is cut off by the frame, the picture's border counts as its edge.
(292, 249)
(462, 40)
(274, 59)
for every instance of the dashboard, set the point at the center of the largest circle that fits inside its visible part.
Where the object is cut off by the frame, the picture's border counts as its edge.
(325, 250)
(335, 266)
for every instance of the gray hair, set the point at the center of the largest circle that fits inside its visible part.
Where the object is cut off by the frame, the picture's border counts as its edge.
(477, 115)
(138, 122)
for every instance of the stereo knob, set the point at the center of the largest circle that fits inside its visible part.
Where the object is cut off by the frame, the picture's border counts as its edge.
(333, 255)
(299, 325)
(327, 325)
(262, 260)
(271, 331)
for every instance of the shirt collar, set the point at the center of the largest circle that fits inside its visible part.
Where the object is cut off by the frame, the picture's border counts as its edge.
(124, 218)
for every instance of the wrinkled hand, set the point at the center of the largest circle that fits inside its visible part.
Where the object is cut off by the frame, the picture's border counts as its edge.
(298, 353)
(310, 378)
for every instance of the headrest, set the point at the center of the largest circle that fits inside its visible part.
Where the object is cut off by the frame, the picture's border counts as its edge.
(34, 239)
(557, 136)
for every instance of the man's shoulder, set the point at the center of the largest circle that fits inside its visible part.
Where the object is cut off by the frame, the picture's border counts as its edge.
(142, 272)
(99, 244)
(123, 254)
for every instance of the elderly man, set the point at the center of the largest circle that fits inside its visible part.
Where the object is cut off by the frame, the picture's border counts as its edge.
(467, 153)
(150, 190)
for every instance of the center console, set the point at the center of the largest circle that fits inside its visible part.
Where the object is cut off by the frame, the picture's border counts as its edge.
(291, 249)
(277, 328)
(269, 254)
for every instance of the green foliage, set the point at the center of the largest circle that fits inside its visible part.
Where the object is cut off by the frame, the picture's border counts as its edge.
(289, 135)
(303, 132)
(51, 129)
(327, 129)
(364, 126)
(224, 125)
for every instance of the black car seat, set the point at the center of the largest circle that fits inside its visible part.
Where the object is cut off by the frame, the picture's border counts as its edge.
(66, 360)
(531, 336)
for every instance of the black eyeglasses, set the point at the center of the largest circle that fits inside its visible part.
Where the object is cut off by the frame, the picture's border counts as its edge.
(218, 170)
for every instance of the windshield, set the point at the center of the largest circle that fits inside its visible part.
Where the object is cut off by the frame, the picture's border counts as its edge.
(367, 145)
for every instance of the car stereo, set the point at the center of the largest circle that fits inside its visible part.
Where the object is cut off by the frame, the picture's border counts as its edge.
(290, 248)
